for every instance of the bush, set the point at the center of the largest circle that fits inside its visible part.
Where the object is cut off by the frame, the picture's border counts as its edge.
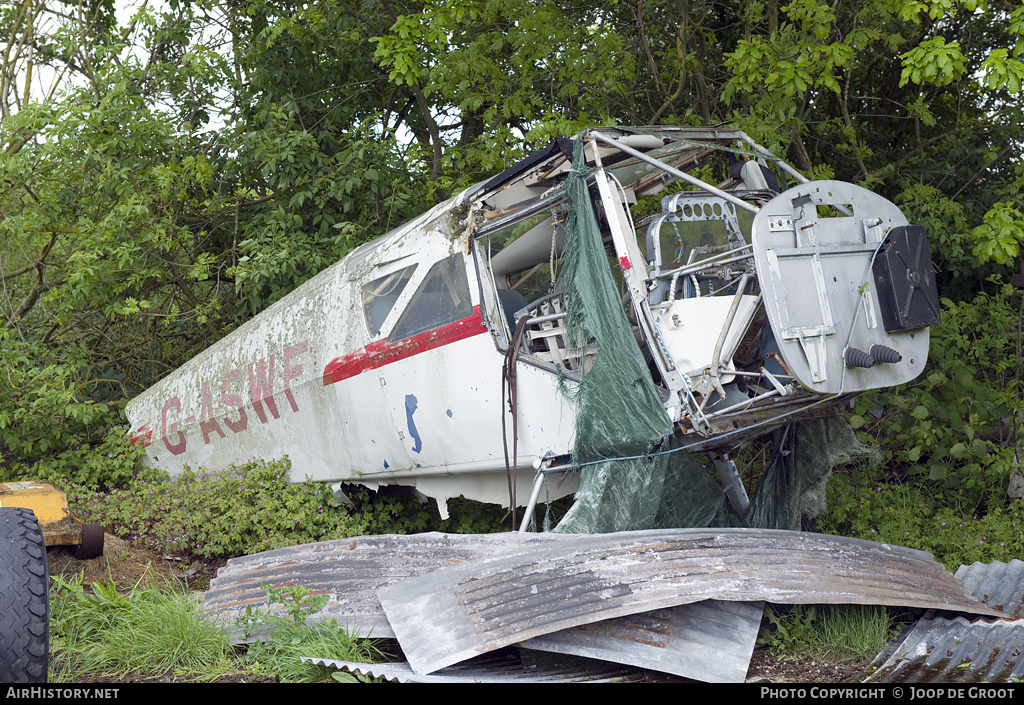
(235, 511)
(909, 516)
(952, 431)
(113, 462)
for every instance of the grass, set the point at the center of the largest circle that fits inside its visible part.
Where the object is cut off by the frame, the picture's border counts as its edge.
(837, 632)
(99, 631)
(292, 637)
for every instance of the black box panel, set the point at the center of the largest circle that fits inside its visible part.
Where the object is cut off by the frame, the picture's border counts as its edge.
(905, 279)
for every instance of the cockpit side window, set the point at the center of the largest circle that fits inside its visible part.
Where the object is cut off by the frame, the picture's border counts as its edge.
(442, 297)
(380, 295)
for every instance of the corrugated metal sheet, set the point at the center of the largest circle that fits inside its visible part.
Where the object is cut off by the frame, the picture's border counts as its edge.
(709, 641)
(349, 571)
(453, 614)
(941, 650)
(501, 667)
(945, 649)
(997, 584)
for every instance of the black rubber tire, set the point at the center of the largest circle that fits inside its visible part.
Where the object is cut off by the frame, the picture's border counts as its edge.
(92, 542)
(24, 598)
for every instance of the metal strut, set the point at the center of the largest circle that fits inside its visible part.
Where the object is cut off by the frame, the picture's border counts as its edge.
(510, 390)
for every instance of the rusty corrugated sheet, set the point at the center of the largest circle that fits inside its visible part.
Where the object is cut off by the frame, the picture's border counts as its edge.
(349, 571)
(942, 649)
(453, 614)
(710, 641)
(500, 667)
(997, 584)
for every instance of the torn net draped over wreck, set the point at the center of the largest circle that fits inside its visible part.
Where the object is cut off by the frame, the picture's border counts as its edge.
(635, 474)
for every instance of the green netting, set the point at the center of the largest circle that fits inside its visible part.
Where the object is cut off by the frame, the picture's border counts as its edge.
(793, 486)
(627, 483)
(632, 475)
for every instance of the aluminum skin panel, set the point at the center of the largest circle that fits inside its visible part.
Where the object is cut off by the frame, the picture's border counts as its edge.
(304, 379)
(813, 249)
(452, 614)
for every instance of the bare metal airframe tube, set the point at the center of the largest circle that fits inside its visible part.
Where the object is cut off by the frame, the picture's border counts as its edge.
(732, 482)
(716, 359)
(717, 261)
(538, 483)
(778, 162)
(676, 172)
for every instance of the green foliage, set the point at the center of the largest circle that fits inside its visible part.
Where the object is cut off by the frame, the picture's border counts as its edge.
(841, 632)
(468, 517)
(236, 511)
(510, 69)
(949, 430)
(933, 61)
(910, 516)
(146, 631)
(112, 463)
(285, 640)
(47, 400)
(1000, 234)
(789, 631)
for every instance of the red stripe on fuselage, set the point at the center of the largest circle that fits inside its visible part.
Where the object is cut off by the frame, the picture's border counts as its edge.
(383, 353)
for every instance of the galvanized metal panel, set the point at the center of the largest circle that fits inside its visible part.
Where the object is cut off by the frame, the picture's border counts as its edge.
(940, 650)
(999, 585)
(452, 614)
(525, 667)
(348, 571)
(709, 641)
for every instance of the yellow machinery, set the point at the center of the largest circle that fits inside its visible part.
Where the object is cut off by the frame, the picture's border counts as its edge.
(50, 506)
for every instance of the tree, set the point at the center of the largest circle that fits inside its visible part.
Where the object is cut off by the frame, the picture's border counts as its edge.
(180, 170)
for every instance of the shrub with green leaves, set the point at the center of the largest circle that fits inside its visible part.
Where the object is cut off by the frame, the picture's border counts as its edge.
(238, 510)
(953, 429)
(910, 516)
(83, 466)
(286, 640)
(49, 399)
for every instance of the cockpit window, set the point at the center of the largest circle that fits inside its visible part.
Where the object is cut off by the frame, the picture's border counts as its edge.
(442, 297)
(380, 295)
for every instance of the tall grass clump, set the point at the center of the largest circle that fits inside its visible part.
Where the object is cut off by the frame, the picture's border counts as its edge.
(99, 631)
(838, 632)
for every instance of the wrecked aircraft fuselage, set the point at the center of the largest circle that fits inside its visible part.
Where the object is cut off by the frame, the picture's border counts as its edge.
(753, 304)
